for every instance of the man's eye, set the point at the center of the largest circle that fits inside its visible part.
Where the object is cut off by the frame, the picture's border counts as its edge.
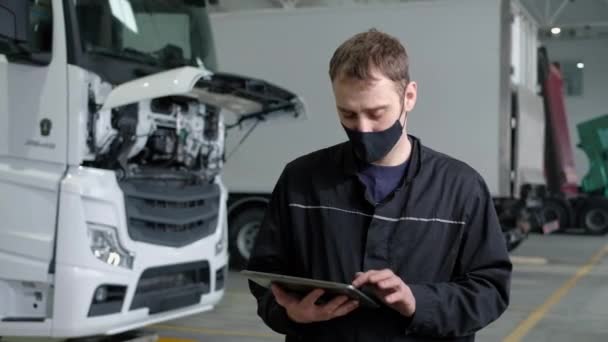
(348, 115)
(377, 114)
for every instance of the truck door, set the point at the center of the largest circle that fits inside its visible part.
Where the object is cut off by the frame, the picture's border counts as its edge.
(33, 136)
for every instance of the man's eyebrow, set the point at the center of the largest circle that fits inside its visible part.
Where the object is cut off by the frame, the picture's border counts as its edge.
(371, 109)
(342, 109)
(375, 109)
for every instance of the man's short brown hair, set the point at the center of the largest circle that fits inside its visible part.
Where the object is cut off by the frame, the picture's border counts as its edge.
(357, 56)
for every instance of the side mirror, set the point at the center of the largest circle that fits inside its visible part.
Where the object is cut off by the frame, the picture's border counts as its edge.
(14, 20)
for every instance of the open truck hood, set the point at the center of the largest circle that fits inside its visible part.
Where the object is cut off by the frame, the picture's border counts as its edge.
(246, 97)
(178, 81)
(249, 98)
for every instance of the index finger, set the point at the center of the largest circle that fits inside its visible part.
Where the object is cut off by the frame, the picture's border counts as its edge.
(381, 275)
(363, 278)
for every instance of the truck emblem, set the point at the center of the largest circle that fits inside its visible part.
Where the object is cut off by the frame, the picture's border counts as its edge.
(45, 127)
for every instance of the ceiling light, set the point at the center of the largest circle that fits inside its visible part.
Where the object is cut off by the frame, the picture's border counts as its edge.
(556, 30)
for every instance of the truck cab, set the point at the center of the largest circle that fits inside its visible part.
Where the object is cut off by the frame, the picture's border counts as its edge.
(112, 128)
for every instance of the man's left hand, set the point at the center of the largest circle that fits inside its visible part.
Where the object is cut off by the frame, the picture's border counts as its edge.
(390, 289)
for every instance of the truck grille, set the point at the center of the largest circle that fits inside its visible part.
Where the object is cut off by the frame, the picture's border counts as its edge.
(170, 213)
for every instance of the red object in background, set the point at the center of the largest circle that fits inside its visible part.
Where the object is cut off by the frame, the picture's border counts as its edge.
(559, 157)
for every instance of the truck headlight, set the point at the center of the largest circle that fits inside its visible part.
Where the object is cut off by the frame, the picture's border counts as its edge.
(221, 244)
(106, 247)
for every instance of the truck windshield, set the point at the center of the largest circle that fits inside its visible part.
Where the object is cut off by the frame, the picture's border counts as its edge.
(163, 33)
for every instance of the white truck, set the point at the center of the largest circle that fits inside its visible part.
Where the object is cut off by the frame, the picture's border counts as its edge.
(112, 128)
(475, 64)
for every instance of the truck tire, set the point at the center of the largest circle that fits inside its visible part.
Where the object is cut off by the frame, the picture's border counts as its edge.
(243, 231)
(594, 216)
(556, 209)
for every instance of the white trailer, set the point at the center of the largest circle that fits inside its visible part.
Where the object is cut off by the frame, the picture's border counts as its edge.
(461, 55)
(112, 204)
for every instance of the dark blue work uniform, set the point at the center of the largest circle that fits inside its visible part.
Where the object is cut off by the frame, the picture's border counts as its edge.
(438, 231)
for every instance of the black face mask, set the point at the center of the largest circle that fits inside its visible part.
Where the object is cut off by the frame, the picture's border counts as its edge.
(373, 146)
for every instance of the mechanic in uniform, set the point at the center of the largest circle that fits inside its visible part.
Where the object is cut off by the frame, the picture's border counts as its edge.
(412, 226)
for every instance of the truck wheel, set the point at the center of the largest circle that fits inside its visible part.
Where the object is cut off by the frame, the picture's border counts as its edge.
(594, 216)
(555, 209)
(243, 231)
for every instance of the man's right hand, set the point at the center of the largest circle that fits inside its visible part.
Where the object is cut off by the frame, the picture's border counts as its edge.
(306, 311)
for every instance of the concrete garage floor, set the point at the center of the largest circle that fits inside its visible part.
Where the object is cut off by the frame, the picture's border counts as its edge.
(559, 293)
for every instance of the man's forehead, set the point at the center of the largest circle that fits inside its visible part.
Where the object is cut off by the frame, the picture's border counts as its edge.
(366, 85)
(365, 101)
(372, 78)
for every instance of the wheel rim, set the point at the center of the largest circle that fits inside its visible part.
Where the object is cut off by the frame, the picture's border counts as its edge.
(246, 238)
(596, 220)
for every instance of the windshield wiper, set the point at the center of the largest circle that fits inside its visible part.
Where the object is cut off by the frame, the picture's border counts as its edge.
(171, 56)
(126, 54)
(140, 54)
(21, 52)
(17, 49)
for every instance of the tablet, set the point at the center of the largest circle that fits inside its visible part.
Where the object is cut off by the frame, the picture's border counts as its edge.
(303, 286)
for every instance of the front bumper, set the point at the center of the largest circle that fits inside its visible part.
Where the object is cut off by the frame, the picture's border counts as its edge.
(75, 292)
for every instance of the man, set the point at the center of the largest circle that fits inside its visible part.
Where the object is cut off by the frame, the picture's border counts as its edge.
(413, 226)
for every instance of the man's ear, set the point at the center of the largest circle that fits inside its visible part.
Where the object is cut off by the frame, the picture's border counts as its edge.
(411, 94)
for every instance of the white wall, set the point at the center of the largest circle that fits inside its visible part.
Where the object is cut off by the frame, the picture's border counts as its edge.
(594, 100)
(455, 54)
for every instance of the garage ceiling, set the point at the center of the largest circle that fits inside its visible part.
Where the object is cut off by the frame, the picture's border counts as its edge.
(576, 19)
